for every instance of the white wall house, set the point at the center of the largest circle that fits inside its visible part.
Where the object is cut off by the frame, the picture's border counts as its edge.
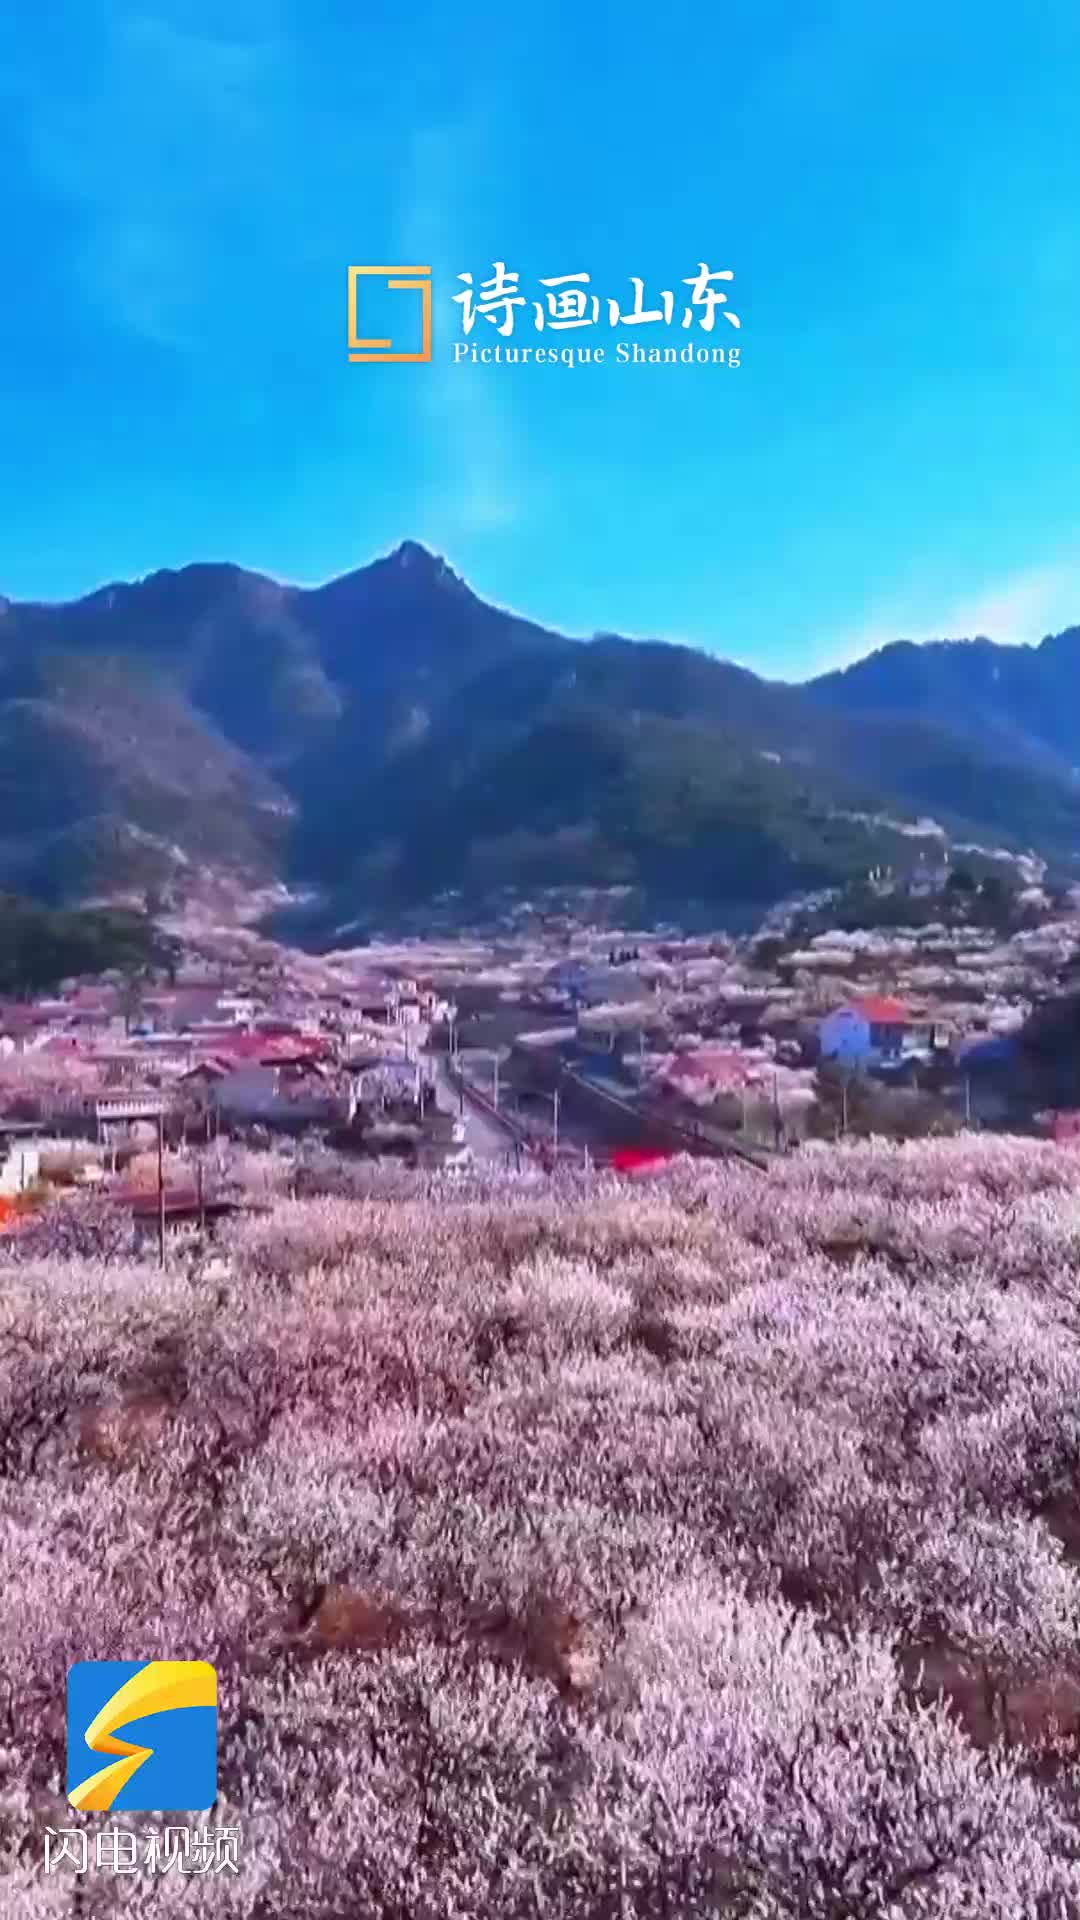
(252, 1093)
(236, 1007)
(20, 1167)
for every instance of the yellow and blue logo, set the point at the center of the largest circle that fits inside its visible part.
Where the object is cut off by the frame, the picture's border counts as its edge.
(167, 1710)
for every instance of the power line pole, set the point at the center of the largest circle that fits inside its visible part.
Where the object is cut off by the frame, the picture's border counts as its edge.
(161, 1188)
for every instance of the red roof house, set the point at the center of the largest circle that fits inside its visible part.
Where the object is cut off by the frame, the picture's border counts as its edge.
(881, 1011)
(865, 1030)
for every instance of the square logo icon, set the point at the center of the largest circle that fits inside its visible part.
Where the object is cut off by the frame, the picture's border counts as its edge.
(399, 280)
(142, 1735)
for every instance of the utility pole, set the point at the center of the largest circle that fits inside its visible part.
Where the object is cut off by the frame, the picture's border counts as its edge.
(161, 1188)
(844, 1104)
(495, 1101)
(967, 1099)
(202, 1201)
(555, 1120)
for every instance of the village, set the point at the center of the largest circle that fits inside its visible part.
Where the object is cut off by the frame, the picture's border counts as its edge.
(547, 1042)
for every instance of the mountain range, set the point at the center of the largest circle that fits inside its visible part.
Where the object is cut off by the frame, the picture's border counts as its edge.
(391, 738)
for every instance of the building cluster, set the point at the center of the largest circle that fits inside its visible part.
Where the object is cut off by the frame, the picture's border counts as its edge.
(583, 1039)
(102, 1084)
(744, 1034)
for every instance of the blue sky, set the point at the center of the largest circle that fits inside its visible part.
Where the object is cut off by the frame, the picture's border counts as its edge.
(896, 188)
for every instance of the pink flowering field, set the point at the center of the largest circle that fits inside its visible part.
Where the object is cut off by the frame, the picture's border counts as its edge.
(705, 1546)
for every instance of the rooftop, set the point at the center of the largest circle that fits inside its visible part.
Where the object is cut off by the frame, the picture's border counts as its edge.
(882, 1010)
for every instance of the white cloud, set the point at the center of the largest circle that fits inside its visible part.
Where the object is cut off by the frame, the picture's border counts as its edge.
(466, 417)
(1015, 609)
(1024, 606)
(159, 155)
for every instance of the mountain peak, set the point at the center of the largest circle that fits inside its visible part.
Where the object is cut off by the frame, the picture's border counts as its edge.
(424, 567)
(419, 559)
